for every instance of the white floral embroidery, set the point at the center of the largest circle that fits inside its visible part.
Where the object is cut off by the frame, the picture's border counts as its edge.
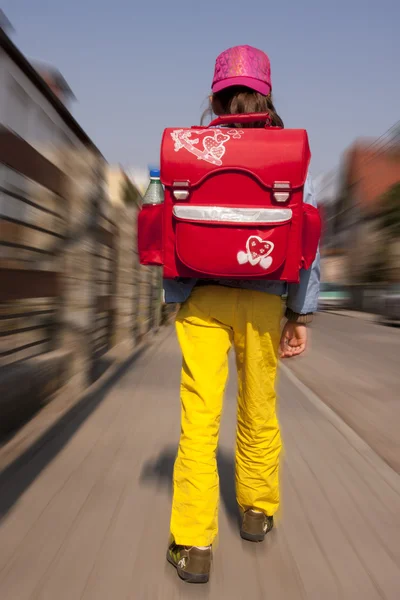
(213, 142)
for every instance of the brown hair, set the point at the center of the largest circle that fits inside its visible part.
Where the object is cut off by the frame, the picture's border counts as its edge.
(238, 100)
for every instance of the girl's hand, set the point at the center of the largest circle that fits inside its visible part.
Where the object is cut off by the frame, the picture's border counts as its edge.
(293, 340)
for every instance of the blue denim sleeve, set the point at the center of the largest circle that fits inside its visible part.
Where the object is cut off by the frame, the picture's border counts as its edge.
(303, 297)
(177, 292)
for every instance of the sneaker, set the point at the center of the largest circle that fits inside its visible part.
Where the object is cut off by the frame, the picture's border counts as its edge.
(193, 564)
(255, 526)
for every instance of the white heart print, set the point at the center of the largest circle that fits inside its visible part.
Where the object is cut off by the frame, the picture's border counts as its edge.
(257, 252)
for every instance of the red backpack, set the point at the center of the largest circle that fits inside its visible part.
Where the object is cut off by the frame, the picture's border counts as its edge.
(233, 204)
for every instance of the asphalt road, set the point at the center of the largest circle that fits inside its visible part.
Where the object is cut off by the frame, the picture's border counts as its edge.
(353, 365)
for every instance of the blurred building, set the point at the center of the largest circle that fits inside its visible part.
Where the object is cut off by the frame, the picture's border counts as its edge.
(120, 187)
(332, 255)
(34, 101)
(139, 177)
(56, 82)
(73, 298)
(326, 188)
(365, 252)
(51, 183)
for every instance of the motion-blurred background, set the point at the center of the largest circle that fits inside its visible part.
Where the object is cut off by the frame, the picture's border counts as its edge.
(85, 91)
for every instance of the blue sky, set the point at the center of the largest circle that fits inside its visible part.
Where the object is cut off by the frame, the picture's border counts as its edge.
(137, 67)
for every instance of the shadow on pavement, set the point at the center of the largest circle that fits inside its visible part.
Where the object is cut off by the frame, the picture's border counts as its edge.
(160, 470)
(22, 472)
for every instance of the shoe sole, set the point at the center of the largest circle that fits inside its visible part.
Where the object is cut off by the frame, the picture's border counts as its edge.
(189, 577)
(254, 537)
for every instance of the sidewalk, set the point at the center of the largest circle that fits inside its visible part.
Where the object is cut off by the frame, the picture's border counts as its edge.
(87, 516)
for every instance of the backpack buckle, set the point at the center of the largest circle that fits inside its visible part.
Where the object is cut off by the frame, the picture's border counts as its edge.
(180, 194)
(281, 191)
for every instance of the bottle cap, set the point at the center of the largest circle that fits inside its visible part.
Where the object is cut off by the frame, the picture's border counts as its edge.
(155, 173)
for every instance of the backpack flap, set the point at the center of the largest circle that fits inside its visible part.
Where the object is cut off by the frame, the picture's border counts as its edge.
(229, 162)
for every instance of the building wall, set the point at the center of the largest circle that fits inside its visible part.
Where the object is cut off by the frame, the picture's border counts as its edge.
(363, 250)
(367, 174)
(114, 181)
(334, 269)
(78, 236)
(25, 110)
(395, 261)
(140, 178)
(372, 170)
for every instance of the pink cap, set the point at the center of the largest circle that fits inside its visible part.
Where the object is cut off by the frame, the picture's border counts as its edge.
(243, 65)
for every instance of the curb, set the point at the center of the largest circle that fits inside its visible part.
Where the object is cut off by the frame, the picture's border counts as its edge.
(352, 314)
(387, 473)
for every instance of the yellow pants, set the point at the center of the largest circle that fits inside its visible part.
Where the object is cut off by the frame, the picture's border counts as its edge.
(212, 321)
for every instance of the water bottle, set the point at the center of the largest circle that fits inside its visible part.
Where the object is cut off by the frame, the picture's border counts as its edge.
(150, 223)
(155, 191)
